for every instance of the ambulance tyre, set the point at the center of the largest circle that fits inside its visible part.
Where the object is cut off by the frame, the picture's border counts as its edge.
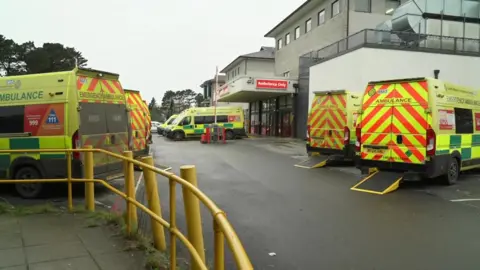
(28, 191)
(178, 136)
(229, 135)
(452, 172)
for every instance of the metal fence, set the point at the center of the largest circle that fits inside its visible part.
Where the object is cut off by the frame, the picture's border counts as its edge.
(392, 40)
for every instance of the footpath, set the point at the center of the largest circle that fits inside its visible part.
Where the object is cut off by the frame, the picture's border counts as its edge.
(62, 240)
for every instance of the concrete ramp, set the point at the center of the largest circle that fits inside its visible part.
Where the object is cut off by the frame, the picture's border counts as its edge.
(313, 162)
(380, 183)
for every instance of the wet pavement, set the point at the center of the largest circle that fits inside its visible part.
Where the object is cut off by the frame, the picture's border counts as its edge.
(294, 218)
(62, 241)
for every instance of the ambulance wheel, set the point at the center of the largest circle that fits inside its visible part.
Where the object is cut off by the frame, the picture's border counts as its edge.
(229, 135)
(452, 173)
(29, 190)
(178, 136)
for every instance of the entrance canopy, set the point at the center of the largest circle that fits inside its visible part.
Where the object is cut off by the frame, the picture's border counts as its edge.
(249, 89)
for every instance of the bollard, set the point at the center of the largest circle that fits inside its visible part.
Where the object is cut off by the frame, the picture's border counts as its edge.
(153, 199)
(208, 134)
(89, 175)
(192, 213)
(128, 172)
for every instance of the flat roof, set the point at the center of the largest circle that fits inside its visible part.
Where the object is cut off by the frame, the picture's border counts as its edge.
(290, 18)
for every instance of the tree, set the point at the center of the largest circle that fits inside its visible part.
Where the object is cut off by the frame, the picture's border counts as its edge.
(199, 99)
(17, 59)
(152, 104)
(177, 101)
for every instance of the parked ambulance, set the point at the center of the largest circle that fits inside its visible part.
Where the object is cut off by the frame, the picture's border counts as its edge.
(161, 128)
(61, 110)
(138, 123)
(419, 126)
(193, 121)
(331, 121)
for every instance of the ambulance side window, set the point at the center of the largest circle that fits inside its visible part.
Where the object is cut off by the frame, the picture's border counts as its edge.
(11, 119)
(463, 121)
(199, 120)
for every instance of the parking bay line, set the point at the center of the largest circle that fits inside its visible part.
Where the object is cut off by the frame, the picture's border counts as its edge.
(465, 200)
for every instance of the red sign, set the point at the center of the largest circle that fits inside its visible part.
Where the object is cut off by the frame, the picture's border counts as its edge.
(446, 119)
(272, 84)
(44, 119)
(477, 121)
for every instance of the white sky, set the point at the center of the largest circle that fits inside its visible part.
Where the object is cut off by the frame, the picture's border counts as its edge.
(154, 45)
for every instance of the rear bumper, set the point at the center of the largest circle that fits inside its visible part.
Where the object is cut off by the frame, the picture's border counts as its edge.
(436, 166)
(347, 152)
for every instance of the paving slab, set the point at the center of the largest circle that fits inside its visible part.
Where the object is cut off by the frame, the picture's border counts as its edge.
(62, 241)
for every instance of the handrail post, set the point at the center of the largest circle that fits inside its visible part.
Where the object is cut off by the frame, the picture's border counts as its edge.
(219, 247)
(129, 175)
(89, 175)
(153, 199)
(69, 180)
(192, 213)
(173, 223)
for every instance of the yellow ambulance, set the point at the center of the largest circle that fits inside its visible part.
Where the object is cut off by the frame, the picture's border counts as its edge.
(193, 121)
(138, 119)
(60, 110)
(162, 127)
(330, 124)
(417, 127)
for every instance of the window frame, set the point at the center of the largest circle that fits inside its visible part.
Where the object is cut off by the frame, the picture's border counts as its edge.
(287, 38)
(279, 43)
(295, 32)
(467, 112)
(369, 3)
(324, 17)
(339, 9)
(306, 25)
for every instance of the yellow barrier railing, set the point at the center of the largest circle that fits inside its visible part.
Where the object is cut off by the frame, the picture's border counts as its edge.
(192, 195)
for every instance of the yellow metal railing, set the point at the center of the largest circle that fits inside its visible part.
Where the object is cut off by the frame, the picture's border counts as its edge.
(191, 194)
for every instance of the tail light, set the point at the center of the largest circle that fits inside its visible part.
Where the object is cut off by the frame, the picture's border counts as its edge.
(346, 137)
(308, 133)
(358, 143)
(431, 141)
(76, 145)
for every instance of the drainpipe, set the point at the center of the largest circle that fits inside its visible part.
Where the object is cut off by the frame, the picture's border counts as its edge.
(348, 22)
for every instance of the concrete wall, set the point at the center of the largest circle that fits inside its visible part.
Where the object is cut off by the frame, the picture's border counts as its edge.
(354, 70)
(260, 67)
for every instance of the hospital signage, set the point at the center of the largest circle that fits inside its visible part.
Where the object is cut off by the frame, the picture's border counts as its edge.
(272, 84)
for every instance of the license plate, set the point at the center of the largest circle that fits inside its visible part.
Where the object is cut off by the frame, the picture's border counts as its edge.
(374, 151)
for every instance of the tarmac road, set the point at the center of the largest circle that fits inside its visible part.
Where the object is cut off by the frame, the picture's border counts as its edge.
(310, 219)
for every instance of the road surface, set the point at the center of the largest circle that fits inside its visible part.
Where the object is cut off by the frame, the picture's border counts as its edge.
(294, 218)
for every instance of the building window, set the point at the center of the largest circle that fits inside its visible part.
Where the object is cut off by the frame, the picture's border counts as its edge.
(287, 39)
(279, 44)
(286, 74)
(308, 25)
(335, 8)
(297, 32)
(321, 17)
(238, 70)
(391, 5)
(363, 6)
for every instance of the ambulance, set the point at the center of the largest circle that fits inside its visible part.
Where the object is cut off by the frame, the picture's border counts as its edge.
(61, 110)
(162, 127)
(148, 122)
(331, 122)
(138, 123)
(414, 128)
(192, 122)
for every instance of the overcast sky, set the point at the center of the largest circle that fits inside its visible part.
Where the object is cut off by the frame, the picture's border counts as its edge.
(154, 45)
